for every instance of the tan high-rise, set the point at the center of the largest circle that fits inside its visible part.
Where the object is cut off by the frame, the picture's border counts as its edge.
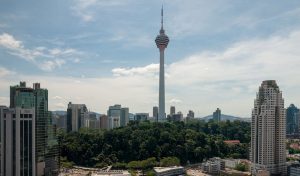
(268, 133)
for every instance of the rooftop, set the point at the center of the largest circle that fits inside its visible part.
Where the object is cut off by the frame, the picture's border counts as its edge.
(164, 169)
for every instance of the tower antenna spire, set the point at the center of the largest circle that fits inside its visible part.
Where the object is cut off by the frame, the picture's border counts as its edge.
(162, 16)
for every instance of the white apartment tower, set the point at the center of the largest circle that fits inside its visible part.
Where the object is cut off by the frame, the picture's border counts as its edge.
(18, 141)
(268, 133)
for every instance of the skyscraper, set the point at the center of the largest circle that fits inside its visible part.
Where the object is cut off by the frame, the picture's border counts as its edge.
(268, 130)
(104, 122)
(190, 114)
(217, 115)
(292, 119)
(172, 110)
(162, 41)
(30, 146)
(155, 112)
(76, 114)
(124, 118)
(18, 139)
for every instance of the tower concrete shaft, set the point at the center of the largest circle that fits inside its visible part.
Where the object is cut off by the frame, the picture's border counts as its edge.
(162, 112)
(162, 41)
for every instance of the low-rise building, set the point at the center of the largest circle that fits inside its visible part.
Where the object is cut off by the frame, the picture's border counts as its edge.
(213, 165)
(112, 173)
(169, 171)
(232, 142)
(262, 172)
(232, 163)
(294, 170)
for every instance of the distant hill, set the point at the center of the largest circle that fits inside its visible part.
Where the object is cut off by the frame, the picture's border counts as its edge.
(226, 117)
(62, 113)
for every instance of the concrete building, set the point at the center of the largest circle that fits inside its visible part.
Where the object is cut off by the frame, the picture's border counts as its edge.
(190, 114)
(18, 137)
(92, 121)
(114, 122)
(169, 171)
(104, 122)
(217, 115)
(292, 119)
(172, 110)
(268, 131)
(155, 112)
(262, 172)
(176, 117)
(294, 170)
(141, 116)
(213, 166)
(30, 146)
(124, 118)
(162, 41)
(76, 115)
(117, 112)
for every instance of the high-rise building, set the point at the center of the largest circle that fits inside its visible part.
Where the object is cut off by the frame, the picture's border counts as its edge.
(92, 121)
(190, 114)
(30, 138)
(268, 130)
(124, 118)
(141, 116)
(104, 122)
(18, 139)
(162, 41)
(172, 110)
(176, 117)
(292, 119)
(114, 122)
(217, 115)
(117, 112)
(155, 112)
(76, 115)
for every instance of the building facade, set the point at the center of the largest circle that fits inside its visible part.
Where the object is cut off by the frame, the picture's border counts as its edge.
(141, 116)
(172, 110)
(190, 114)
(104, 122)
(76, 115)
(292, 119)
(155, 112)
(268, 130)
(18, 139)
(217, 115)
(124, 118)
(117, 112)
(294, 170)
(30, 146)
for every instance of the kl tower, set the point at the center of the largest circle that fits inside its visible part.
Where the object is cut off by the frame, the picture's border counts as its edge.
(162, 41)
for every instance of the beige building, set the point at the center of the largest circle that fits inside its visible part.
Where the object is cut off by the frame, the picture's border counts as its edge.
(268, 133)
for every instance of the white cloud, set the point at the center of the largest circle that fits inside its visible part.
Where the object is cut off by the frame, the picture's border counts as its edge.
(76, 60)
(46, 59)
(175, 100)
(9, 41)
(149, 69)
(201, 82)
(56, 97)
(5, 72)
(51, 64)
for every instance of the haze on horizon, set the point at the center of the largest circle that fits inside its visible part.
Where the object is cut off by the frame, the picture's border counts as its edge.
(101, 53)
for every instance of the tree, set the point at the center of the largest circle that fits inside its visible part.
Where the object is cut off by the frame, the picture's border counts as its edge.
(169, 161)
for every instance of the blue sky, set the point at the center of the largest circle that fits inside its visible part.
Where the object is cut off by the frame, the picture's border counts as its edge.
(102, 52)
